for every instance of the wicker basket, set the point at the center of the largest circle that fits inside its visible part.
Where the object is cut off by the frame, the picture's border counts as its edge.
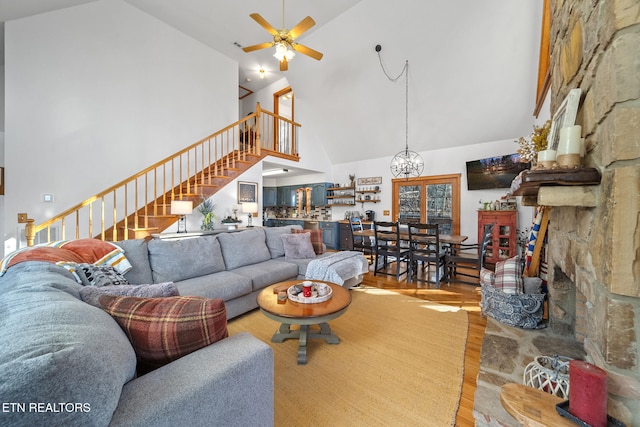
(550, 374)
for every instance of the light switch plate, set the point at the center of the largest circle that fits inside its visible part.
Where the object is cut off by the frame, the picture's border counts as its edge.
(22, 218)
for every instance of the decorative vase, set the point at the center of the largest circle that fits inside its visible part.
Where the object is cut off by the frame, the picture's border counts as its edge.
(207, 222)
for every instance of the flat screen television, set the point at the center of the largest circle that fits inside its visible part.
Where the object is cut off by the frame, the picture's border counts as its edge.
(494, 172)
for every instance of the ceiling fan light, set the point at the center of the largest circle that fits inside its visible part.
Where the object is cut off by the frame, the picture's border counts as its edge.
(289, 55)
(281, 51)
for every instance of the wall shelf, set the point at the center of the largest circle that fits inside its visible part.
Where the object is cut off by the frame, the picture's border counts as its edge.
(557, 187)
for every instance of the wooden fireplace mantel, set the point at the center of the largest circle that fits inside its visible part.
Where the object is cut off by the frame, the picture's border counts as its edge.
(557, 187)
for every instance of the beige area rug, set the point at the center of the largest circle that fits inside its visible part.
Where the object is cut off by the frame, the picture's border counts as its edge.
(399, 362)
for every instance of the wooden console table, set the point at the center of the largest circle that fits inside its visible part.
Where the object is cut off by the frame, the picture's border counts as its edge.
(532, 407)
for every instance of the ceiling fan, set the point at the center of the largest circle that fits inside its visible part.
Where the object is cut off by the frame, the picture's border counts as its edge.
(283, 40)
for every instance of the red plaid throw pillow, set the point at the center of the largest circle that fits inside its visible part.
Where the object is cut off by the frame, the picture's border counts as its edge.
(508, 277)
(164, 329)
(316, 239)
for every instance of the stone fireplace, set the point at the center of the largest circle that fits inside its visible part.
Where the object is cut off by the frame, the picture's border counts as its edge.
(593, 251)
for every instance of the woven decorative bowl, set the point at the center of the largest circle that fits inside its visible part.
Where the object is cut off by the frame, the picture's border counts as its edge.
(550, 374)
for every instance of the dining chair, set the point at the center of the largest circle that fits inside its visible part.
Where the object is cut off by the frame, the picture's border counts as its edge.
(360, 243)
(388, 247)
(425, 249)
(468, 259)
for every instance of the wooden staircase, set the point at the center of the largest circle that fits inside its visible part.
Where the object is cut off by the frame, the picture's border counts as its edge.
(156, 216)
(141, 204)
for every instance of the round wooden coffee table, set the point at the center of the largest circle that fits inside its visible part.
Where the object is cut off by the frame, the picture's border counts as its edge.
(289, 313)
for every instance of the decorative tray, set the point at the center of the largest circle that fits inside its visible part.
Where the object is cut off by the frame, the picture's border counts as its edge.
(320, 292)
(563, 409)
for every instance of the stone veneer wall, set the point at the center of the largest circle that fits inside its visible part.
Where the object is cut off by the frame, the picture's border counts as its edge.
(595, 46)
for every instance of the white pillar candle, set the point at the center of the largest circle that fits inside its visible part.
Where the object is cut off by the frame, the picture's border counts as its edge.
(570, 140)
(547, 155)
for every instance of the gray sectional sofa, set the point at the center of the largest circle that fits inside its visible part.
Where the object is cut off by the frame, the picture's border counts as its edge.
(64, 362)
(233, 266)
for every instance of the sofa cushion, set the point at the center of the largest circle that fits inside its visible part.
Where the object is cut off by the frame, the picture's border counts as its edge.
(56, 348)
(508, 276)
(91, 294)
(316, 239)
(274, 242)
(223, 284)
(298, 246)
(268, 272)
(164, 329)
(138, 255)
(175, 260)
(244, 247)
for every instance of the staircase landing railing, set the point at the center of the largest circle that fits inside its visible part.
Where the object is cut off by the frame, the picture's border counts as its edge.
(126, 207)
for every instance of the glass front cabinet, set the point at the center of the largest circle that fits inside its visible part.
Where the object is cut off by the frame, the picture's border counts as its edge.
(503, 243)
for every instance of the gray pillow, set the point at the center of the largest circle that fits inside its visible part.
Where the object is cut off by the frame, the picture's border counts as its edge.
(244, 248)
(99, 275)
(137, 254)
(298, 246)
(176, 260)
(91, 295)
(274, 242)
(532, 285)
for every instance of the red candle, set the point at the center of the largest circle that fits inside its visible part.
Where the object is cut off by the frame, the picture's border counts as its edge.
(588, 393)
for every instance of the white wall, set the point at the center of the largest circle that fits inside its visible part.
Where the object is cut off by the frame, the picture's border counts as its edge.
(313, 156)
(97, 92)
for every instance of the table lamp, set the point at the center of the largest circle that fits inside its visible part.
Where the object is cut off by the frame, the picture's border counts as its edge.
(250, 208)
(182, 208)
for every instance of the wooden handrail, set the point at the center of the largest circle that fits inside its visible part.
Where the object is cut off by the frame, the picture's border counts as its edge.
(180, 175)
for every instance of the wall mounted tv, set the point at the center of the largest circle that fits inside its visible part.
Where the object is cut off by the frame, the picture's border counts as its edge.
(494, 172)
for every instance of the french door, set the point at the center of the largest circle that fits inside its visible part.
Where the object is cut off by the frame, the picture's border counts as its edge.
(428, 199)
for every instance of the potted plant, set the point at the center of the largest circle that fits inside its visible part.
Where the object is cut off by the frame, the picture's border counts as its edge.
(208, 216)
(231, 222)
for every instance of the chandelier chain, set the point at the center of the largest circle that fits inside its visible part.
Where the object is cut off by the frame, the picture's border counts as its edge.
(407, 163)
(405, 71)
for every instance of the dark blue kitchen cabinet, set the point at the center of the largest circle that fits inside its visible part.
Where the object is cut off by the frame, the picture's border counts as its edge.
(330, 234)
(269, 196)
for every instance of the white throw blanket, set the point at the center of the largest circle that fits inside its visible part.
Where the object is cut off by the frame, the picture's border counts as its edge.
(337, 267)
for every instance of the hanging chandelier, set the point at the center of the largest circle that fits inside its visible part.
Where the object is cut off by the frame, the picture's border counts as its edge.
(406, 163)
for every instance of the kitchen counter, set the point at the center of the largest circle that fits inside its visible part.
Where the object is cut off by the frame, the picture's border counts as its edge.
(329, 228)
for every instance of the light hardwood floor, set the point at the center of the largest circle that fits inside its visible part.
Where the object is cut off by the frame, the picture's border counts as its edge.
(463, 295)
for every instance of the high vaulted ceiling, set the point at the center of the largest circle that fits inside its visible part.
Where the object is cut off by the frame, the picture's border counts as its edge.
(473, 65)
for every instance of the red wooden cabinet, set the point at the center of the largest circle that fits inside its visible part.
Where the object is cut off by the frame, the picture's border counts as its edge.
(503, 243)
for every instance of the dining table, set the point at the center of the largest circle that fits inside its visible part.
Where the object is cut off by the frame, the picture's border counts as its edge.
(450, 239)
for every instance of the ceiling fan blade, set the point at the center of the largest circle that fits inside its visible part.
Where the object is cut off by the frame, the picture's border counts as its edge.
(264, 24)
(257, 46)
(307, 51)
(284, 65)
(302, 26)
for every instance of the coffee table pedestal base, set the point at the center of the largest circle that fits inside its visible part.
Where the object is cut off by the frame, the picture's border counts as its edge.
(302, 335)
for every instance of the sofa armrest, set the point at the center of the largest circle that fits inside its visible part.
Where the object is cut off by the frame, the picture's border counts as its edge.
(228, 383)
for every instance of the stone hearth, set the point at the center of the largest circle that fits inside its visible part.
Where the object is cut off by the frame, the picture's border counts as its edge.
(593, 248)
(506, 351)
